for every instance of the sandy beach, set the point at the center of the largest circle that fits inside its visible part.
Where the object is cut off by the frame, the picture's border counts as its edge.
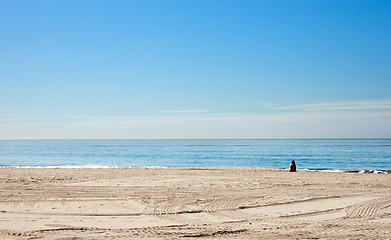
(183, 203)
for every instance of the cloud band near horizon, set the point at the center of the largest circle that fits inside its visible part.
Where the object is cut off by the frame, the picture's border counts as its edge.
(360, 119)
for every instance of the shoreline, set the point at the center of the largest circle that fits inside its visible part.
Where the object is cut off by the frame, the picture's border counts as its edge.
(178, 203)
(151, 167)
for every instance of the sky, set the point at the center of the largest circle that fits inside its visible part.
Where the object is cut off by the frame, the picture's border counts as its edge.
(208, 69)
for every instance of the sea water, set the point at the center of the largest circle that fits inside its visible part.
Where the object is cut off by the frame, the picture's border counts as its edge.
(311, 154)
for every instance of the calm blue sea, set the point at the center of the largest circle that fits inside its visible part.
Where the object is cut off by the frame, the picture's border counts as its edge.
(322, 154)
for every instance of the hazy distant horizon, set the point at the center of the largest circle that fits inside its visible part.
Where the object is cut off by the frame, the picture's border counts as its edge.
(120, 139)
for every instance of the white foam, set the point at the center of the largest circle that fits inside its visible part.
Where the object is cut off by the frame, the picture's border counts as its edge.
(373, 171)
(66, 166)
(357, 171)
(331, 170)
(77, 167)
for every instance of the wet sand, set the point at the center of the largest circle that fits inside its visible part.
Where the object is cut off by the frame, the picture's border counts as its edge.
(183, 203)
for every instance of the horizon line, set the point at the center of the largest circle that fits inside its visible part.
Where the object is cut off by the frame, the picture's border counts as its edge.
(89, 139)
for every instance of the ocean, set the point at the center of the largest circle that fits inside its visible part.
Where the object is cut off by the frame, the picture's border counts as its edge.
(310, 154)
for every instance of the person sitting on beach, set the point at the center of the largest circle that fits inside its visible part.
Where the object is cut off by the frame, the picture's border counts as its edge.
(292, 166)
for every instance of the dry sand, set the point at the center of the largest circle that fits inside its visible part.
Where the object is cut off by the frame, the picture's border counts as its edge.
(183, 203)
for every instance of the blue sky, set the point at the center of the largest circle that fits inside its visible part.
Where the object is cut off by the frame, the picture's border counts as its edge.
(195, 69)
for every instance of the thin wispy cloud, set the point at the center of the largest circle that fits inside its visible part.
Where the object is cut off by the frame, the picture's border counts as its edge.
(21, 118)
(191, 111)
(340, 106)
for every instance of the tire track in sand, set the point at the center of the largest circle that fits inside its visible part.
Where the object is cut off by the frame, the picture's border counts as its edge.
(369, 208)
